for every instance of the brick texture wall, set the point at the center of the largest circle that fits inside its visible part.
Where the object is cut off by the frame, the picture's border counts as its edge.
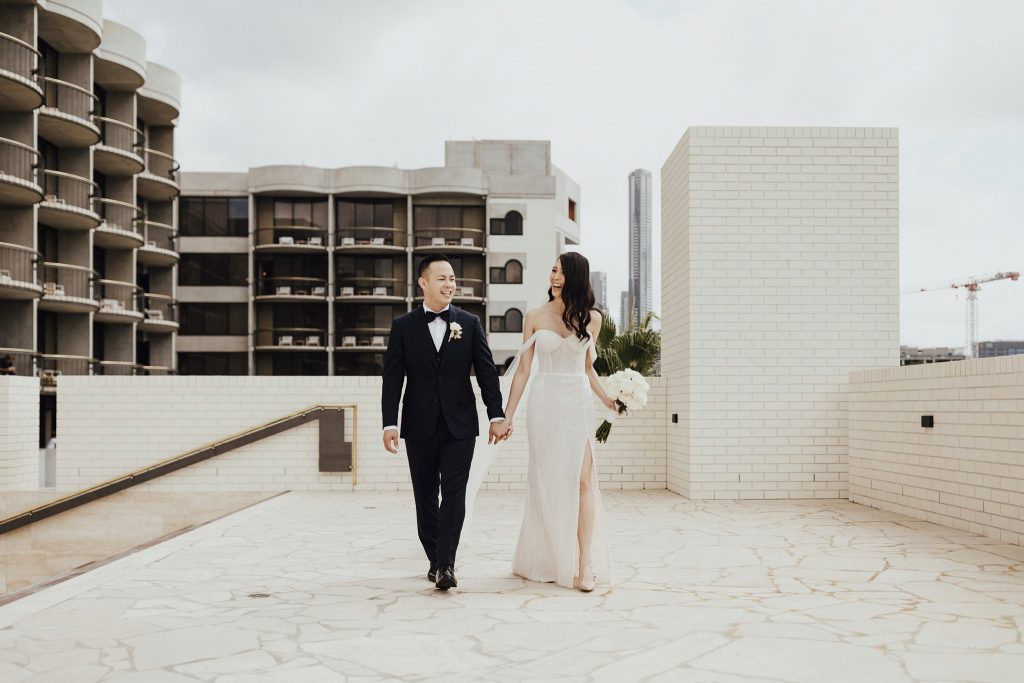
(19, 433)
(967, 471)
(780, 261)
(111, 425)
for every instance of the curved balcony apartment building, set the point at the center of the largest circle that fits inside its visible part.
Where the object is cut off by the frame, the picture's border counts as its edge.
(88, 195)
(297, 270)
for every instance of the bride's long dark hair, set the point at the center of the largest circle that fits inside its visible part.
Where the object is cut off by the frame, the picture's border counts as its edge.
(577, 294)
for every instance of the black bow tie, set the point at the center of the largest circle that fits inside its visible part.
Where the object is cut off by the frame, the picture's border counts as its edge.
(444, 315)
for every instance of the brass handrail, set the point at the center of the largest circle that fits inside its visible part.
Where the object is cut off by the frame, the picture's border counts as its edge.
(19, 247)
(20, 145)
(180, 461)
(68, 84)
(19, 41)
(118, 127)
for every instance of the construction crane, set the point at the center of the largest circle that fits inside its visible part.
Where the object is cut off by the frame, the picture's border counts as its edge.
(973, 286)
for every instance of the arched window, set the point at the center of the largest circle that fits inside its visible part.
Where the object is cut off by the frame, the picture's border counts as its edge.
(509, 274)
(511, 224)
(514, 272)
(512, 321)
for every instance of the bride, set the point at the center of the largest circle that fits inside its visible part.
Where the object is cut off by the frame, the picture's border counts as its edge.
(563, 537)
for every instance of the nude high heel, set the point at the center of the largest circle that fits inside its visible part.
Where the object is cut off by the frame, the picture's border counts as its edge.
(588, 581)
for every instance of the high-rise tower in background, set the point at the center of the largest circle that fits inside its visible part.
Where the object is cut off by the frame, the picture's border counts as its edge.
(599, 283)
(641, 288)
(623, 310)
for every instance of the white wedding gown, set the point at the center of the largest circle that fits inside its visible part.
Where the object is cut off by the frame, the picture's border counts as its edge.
(560, 426)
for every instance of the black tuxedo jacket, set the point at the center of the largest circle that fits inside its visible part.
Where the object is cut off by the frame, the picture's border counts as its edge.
(438, 381)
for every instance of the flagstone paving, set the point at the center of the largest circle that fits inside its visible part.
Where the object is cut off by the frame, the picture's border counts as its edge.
(331, 587)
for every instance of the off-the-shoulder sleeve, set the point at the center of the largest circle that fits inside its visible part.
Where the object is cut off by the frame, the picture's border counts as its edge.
(511, 370)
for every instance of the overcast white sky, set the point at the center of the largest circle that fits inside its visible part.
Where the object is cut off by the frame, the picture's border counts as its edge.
(613, 84)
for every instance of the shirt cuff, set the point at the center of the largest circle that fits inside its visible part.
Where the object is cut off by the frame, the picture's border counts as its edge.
(395, 427)
(497, 419)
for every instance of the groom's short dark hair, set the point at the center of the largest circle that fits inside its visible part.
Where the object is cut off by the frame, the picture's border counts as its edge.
(427, 260)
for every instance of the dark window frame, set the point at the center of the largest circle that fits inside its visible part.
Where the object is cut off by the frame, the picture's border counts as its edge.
(203, 318)
(236, 362)
(196, 269)
(508, 224)
(500, 274)
(198, 214)
(503, 323)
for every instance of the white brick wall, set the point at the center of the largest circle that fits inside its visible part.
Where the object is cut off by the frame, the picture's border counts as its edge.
(19, 433)
(966, 472)
(780, 258)
(111, 425)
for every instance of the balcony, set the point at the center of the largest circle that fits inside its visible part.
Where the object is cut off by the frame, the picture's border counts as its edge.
(24, 361)
(291, 288)
(68, 201)
(19, 69)
(355, 289)
(120, 226)
(68, 288)
(358, 362)
(53, 365)
(159, 179)
(356, 338)
(369, 240)
(449, 241)
(161, 313)
(19, 174)
(291, 339)
(156, 370)
(117, 367)
(283, 239)
(19, 274)
(159, 244)
(117, 152)
(66, 116)
(467, 290)
(118, 302)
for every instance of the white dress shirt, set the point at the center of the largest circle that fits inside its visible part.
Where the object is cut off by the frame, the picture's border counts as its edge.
(437, 328)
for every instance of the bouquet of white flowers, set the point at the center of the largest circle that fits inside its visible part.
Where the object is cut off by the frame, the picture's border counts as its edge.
(628, 389)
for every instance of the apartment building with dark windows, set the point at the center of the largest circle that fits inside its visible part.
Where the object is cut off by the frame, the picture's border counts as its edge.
(88, 195)
(296, 270)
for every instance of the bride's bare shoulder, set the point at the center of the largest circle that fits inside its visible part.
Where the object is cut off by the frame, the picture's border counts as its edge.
(536, 313)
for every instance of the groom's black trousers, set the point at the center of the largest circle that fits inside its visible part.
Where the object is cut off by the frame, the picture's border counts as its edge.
(440, 463)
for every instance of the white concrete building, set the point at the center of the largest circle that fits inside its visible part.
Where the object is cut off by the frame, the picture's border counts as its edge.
(88, 196)
(300, 270)
(781, 265)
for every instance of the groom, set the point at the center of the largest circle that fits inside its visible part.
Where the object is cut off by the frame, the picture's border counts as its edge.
(434, 346)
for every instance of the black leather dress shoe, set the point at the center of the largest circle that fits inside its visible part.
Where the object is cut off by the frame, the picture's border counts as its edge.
(432, 573)
(446, 579)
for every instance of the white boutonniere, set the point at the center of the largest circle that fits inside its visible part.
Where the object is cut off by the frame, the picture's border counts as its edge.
(455, 332)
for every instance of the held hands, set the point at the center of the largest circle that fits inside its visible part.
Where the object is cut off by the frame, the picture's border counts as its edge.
(391, 440)
(498, 432)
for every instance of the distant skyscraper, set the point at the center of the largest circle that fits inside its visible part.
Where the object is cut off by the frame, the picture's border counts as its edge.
(641, 288)
(623, 311)
(599, 283)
